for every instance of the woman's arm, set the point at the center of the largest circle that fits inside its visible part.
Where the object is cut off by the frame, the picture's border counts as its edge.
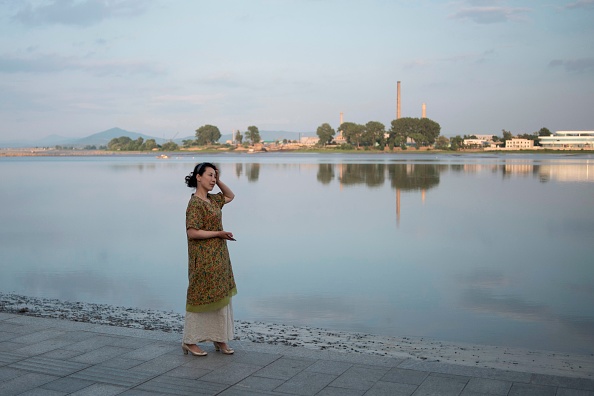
(194, 233)
(227, 193)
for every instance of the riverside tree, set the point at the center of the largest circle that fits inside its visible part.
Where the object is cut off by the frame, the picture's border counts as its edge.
(507, 135)
(125, 143)
(253, 134)
(170, 146)
(374, 134)
(423, 131)
(442, 143)
(353, 133)
(326, 133)
(544, 132)
(368, 135)
(121, 143)
(207, 134)
(456, 143)
(150, 144)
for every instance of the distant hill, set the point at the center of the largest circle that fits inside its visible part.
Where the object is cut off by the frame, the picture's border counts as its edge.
(102, 138)
(97, 139)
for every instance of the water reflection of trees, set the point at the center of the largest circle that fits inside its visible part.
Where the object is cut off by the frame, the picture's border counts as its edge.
(252, 172)
(137, 167)
(401, 176)
(411, 176)
(372, 175)
(325, 173)
(414, 176)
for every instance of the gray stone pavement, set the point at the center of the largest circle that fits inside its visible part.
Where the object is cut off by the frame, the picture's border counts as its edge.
(41, 356)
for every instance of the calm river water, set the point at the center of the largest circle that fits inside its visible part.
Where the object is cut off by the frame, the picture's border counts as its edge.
(486, 249)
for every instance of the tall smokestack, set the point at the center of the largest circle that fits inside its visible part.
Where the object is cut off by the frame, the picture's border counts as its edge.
(424, 110)
(398, 101)
(339, 137)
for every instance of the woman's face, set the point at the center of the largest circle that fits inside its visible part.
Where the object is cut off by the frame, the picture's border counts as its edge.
(208, 179)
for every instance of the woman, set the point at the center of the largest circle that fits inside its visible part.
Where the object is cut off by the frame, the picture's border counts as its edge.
(209, 314)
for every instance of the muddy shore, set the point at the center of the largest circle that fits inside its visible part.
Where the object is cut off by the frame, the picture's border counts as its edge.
(516, 359)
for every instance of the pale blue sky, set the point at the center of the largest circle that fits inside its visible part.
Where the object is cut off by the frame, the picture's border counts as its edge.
(160, 67)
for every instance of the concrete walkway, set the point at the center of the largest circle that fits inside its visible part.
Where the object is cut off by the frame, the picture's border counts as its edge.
(58, 357)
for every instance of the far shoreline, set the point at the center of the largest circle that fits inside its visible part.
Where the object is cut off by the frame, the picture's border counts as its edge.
(48, 152)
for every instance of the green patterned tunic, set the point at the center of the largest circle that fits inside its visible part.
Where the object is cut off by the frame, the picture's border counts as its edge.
(210, 275)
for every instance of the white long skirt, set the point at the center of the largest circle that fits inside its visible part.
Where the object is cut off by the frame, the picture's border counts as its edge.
(214, 326)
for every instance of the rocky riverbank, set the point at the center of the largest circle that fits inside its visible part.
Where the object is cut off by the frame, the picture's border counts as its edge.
(517, 359)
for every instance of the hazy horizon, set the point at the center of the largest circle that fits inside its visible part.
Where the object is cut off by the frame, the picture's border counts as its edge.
(73, 68)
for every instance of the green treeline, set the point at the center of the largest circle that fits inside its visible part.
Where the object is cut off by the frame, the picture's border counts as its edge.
(208, 135)
(124, 143)
(403, 133)
(422, 131)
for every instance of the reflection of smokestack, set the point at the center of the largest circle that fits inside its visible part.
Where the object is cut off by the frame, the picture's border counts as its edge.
(397, 207)
(398, 100)
(424, 110)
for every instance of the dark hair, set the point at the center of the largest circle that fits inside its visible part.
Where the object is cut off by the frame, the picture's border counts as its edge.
(198, 170)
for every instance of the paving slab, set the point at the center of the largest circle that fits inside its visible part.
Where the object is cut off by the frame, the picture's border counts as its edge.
(231, 373)
(161, 364)
(405, 376)
(306, 383)
(360, 377)
(179, 386)
(67, 384)
(255, 384)
(9, 346)
(121, 363)
(332, 391)
(10, 357)
(331, 367)
(43, 365)
(25, 382)
(284, 368)
(439, 384)
(100, 354)
(391, 389)
(532, 390)
(564, 382)
(112, 376)
(100, 390)
(573, 392)
(7, 373)
(488, 386)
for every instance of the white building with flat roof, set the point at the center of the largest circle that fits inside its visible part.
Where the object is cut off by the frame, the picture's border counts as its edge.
(568, 140)
(309, 140)
(488, 138)
(475, 143)
(519, 144)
